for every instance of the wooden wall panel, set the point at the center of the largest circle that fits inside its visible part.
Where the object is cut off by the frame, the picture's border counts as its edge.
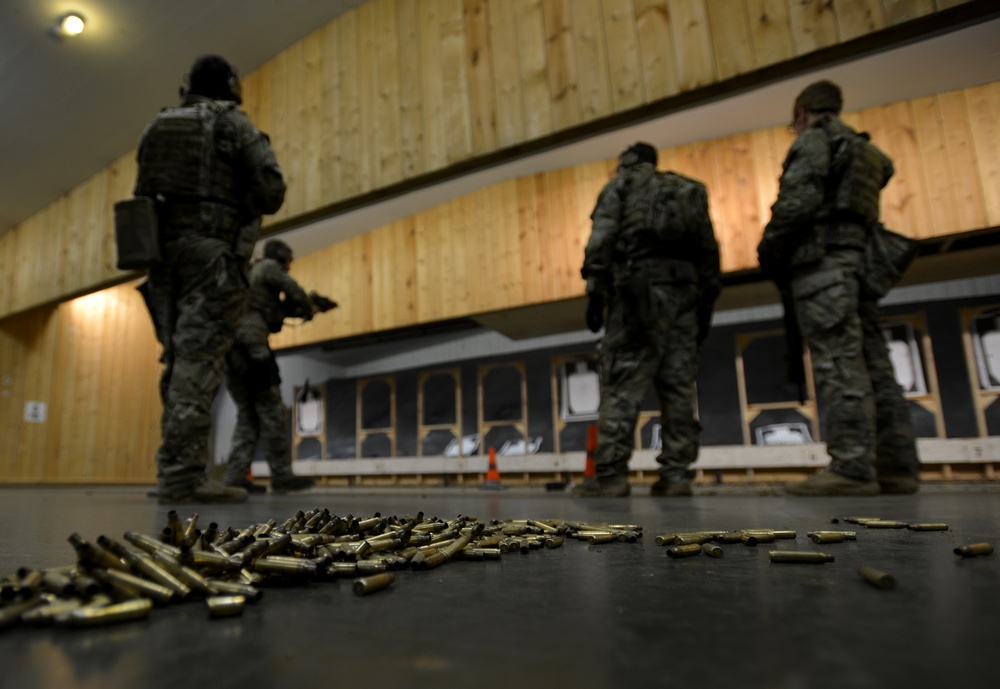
(521, 242)
(591, 59)
(398, 89)
(656, 48)
(771, 31)
(858, 17)
(93, 361)
(984, 104)
(732, 38)
(624, 61)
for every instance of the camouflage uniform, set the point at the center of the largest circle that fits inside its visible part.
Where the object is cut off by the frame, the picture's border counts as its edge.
(252, 373)
(660, 288)
(210, 191)
(827, 203)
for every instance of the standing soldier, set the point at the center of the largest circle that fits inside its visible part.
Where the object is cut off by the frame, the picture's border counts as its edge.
(211, 175)
(252, 372)
(652, 259)
(824, 219)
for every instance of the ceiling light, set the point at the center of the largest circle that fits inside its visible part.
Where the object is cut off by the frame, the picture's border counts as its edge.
(69, 25)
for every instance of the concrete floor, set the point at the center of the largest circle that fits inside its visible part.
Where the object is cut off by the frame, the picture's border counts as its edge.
(616, 615)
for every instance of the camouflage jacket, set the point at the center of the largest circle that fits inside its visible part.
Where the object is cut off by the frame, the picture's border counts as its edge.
(274, 296)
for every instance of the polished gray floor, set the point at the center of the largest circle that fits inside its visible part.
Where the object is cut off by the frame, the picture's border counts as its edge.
(616, 615)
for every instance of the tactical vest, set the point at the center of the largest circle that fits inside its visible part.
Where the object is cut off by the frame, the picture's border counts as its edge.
(663, 217)
(265, 299)
(179, 156)
(858, 172)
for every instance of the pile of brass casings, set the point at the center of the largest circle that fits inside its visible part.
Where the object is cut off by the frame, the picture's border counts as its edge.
(118, 580)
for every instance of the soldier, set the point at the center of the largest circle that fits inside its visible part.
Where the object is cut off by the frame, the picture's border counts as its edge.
(653, 260)
(815, 244)
(252, 373)
(212, 175)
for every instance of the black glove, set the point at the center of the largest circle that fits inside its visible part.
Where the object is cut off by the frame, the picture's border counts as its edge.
(595, 312)
(321, 303)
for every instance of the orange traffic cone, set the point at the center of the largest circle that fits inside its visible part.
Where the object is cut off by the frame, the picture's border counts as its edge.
(492, 481)
(590, 470)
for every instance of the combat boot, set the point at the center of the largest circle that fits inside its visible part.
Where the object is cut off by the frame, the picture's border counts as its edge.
(614, 487)
(208, 493)
(670, 489)
(827, 482)
(247, 485)
(897, 482)
(289, 485)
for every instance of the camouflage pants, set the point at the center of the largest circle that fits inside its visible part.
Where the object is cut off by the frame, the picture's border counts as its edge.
(260, 416)
(633, 355)
(868, 425)
(197, 297)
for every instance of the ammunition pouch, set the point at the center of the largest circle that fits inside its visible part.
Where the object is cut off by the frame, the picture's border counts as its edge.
(887, 255)
(137, 234)
(246, 240)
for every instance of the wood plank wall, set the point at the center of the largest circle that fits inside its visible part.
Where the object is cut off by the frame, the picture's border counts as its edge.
(92, 361)
(397, 89)
(521, 241)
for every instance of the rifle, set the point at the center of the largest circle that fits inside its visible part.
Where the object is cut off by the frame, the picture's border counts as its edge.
(794, 368)
(322, 304)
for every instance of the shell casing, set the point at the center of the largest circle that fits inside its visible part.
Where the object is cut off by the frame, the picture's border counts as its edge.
(407, 552)
(149, 544)
(11, 614)
(274, 564)
(191, 578)
(363, 549)
(847, 535)
(190, 533)
(370, 566)
(236, 544)
(144, 588)
(554, 541)
(974, 549)
(264, 529)
(419, 538)
(666, 539)
(376, 582)
(884, 524)
(176, 527)
(274, 545)
(90, 616)
(92, 555)
(712, 549)
(85, 587)
(548, 528)
(730, 537)
(469, 554)
(57, 583)
(854, 520)
(753, 539)
(343, 569)
(251, 578)
(877, 579)
(693, 538)
(145, 564)
(828, 537)
(233, 588)
(777, 533)
(598, 538)
(209, 535)
(369, 524)
(208, 559)
(685, 550)
(800, 556)
(937, 526)
(46, 614)
(428, 559)
(626, 527)
(225, 606)
(627, 536)
(487, 553)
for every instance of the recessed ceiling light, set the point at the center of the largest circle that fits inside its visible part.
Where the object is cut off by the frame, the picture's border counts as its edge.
(70, 24)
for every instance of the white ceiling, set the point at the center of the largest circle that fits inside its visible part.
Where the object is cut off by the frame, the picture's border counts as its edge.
(70, 107)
